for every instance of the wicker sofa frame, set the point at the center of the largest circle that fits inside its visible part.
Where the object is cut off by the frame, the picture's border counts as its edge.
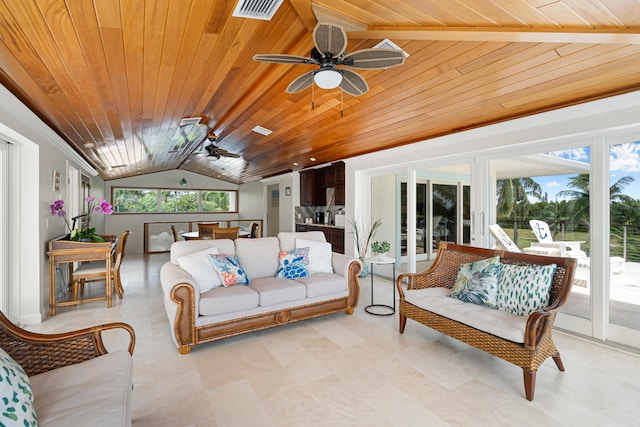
(39, 353)
(538, 343)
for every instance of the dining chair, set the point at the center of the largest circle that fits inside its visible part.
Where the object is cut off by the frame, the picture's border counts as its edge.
(93, 271)
(226, 233)
(174, 230)
(255, 230)
(205, 229)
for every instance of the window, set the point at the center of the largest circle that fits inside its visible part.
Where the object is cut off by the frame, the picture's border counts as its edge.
(168, 200)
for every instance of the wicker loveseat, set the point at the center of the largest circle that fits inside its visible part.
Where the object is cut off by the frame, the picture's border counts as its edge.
(197, 315)
(530, 342)
(73, 379)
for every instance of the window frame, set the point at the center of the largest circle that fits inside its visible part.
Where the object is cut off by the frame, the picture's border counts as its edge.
(233, 199)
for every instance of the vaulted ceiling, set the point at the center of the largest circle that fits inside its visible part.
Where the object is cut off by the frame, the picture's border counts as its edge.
(115, 78)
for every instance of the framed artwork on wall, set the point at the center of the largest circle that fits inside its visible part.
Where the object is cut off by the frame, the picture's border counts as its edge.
(56, 180)
(287, 191)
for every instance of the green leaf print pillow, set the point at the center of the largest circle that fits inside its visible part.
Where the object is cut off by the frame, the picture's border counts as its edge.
(477, 282)
(524, 289)
(15, 391)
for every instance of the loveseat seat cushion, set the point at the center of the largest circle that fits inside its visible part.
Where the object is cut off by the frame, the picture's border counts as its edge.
(275, 291)
(258, 257)
(496, 322)
(228, 300)
(320, 284)
(93, 393)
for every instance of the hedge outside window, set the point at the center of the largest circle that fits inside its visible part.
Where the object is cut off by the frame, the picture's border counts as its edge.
(167, 200)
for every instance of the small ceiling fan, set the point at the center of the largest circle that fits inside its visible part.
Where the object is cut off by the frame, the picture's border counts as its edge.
(329, 53)
(215, 151)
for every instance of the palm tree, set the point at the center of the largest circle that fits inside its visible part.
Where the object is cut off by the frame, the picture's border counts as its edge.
(579, 195)
(513, 199)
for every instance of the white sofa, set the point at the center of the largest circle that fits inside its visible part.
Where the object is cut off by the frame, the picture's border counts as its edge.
(197, 315)
(65, 379)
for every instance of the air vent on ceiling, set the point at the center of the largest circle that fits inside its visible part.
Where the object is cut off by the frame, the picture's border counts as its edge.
(262, 131)
(388, 44)
(190, 121)
(257, 9)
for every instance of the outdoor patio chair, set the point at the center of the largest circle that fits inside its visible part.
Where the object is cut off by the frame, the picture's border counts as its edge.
(504, 242)
(543, 234)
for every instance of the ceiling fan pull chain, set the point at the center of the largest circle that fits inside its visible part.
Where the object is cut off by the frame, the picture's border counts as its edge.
(313, 97)
(341, 103)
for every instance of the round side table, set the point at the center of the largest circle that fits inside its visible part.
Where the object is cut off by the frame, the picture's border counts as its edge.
(370, 307)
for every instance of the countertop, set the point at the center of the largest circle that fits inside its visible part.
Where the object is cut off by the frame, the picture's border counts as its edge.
(321, 225)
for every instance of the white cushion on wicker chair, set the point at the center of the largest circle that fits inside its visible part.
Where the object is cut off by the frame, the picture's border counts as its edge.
(496, 322)
(93, 393)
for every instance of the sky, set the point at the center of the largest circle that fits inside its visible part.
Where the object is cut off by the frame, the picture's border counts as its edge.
(624, 160)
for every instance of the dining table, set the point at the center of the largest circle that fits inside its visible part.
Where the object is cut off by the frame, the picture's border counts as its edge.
(194, 235)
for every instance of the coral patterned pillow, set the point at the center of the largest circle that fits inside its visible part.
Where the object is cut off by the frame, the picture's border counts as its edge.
(229, 269)
(293, 264)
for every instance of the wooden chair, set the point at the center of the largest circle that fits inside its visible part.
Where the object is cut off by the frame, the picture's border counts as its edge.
(205, 229)
(93, 271)
(174, 230)
(226, 233)
(255, 230)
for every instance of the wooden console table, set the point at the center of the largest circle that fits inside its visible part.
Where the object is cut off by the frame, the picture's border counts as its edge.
(67, 251)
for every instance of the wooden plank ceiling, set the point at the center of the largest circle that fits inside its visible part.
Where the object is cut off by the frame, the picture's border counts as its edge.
(114, 78)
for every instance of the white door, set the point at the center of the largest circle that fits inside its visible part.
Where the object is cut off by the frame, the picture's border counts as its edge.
(4, 227)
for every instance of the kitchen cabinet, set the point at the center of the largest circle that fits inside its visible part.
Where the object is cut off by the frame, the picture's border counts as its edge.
(333, 235)
(308, 188)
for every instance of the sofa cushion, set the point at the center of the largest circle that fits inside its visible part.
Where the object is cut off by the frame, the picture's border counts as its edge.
(524, 289)
(293, 264)
(186, 247)
(92, 393)
(229, 269)
(319, 255)
(16, 407)
(275, 291)
(496, 322)
(477, 282)
(288, 238)
(200, 267)
(258, 256)
(228, 300)
(323, 284)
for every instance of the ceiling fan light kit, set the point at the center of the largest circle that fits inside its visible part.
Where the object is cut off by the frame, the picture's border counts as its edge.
(329, 52)
(327, 78)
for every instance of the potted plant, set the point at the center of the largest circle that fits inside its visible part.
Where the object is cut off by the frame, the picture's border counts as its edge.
(363, 238)
(380, 248)
(85, 233)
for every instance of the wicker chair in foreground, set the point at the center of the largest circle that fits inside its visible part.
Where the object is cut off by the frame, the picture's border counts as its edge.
(38, 353)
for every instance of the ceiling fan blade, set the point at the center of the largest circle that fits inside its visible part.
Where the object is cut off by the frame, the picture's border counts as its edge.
(277, 58)
(374, 58)
(226, 153)
(330, 38)
(302, 82)
(353, 83)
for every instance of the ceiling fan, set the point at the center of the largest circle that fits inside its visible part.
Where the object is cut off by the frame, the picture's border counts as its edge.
(215, 151)
(329, 52)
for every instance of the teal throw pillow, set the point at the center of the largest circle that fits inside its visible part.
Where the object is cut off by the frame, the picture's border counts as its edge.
(524, 289)
(229, 269)
(293, 264)
(17, 407)
(477, 282)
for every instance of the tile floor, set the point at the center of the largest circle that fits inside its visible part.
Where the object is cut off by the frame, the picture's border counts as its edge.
(350, 371)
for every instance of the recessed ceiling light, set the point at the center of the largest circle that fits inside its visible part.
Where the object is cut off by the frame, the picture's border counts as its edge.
(89, 144)
(262, 131)
(296, 164)
(313, 159)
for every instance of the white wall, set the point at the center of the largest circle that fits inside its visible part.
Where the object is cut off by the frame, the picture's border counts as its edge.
(35, 152)
(383, 206)
(250, 202)
(118, 223)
